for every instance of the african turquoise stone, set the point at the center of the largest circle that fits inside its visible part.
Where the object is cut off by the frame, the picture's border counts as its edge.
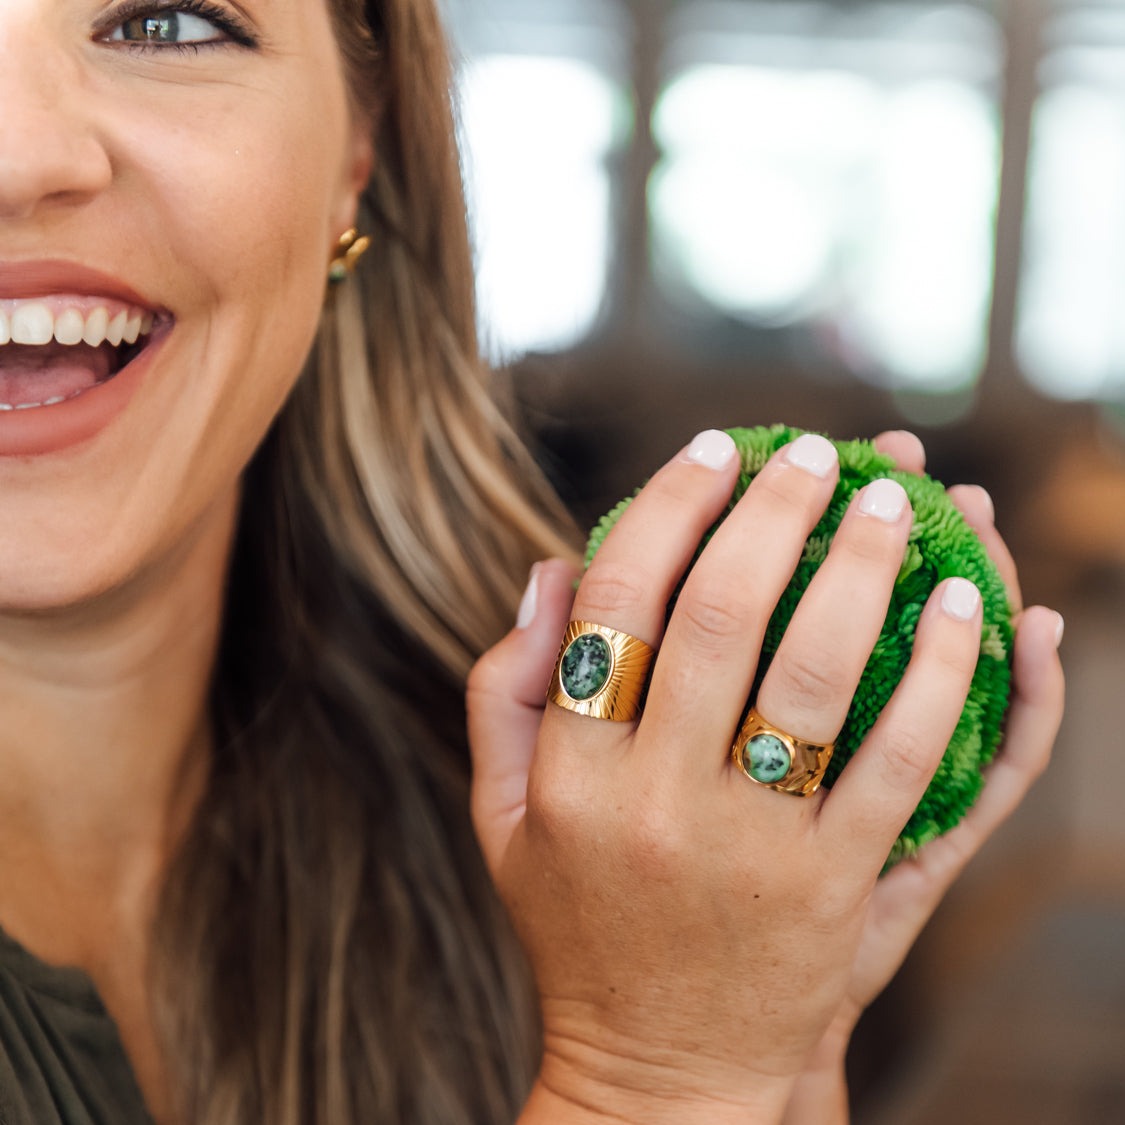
(768, 758)
(586, 666)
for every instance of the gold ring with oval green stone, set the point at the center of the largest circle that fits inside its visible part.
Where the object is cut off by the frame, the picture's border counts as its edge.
(601, 672)
(776, 759)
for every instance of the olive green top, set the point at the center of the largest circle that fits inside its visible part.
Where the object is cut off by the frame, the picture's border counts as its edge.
(61, 1059)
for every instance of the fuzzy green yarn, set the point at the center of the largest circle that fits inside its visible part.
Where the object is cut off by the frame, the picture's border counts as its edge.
(941, 545)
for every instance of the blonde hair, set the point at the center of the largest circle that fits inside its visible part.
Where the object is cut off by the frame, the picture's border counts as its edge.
(346, 957)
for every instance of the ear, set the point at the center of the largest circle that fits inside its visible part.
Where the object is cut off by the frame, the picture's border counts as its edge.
(355, 172)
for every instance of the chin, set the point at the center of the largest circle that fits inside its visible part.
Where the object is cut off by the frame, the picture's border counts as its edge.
(40, 588)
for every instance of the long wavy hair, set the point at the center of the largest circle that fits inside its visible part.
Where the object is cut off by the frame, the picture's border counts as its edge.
(329, 950)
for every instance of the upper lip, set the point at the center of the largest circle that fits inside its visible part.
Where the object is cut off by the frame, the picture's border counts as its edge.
(48, 278)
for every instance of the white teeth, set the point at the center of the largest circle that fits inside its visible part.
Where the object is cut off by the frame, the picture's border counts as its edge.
(33, 324)
(96, 324)
(69, 327)
(41, 322)
(115, 333)
(54, 400)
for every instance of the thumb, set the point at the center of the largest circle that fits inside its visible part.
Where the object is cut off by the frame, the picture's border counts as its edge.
(506, 696)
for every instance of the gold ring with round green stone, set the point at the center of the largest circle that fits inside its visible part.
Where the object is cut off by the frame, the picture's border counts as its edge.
(601, 672)
(773, 757)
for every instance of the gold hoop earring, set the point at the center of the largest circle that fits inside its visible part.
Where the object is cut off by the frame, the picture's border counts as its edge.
(349, 249)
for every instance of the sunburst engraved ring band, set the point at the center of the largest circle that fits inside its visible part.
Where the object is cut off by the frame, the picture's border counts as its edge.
(772, 757)
(601, 672)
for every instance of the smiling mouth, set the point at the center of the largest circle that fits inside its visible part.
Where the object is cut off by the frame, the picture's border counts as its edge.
(54, 349)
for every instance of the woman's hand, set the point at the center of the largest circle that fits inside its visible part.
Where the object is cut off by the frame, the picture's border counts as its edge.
(696, 936)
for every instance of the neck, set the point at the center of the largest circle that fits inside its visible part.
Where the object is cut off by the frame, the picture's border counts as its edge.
(104, 748)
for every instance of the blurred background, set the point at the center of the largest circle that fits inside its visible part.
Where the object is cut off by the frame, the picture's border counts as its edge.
(852, 215)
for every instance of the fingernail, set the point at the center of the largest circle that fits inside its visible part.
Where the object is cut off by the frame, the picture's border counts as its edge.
(990, 507)
(960, 599)
(530, 600)
(713, 449)
(1060, 630)
(886, 500)
(813, 453)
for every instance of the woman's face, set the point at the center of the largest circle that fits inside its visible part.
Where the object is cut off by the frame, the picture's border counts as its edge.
(177, 169)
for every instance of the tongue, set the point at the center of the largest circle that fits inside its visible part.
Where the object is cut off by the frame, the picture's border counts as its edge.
(30, 375)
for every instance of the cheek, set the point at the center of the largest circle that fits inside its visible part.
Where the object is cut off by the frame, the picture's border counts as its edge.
(233, 185)
(248, 212)
(239, 205)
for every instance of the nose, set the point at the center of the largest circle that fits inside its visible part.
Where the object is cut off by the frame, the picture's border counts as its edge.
(50, 153)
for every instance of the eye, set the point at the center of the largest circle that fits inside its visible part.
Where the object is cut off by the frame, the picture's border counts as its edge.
(184, 24)
(168, 27)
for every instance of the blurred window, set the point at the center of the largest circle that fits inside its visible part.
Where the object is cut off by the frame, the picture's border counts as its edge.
(1071, 327)
(836, 170)
(544, 107)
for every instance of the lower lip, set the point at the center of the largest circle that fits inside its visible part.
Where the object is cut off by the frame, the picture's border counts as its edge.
(41, 430)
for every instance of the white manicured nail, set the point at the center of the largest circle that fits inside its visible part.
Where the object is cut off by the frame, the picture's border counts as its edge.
(960, 599)
(813, 453)
(986, 500)
(886, 500)
(1060, 630)
(713, 449)
(529, 603)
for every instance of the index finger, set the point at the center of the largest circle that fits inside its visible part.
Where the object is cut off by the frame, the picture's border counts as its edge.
(634, 574)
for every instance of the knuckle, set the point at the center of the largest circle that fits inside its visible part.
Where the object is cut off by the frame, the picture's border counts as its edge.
(776, 489)
(959, 658)
(947, 655)
(559, 805)
(674, 489)
(612, 588)
(639, 831)
(711, 623)
(908, 761)
(788, 490)
(809, 679)
(654, 844)
(961, 846)
(869, 542)
(832, 902)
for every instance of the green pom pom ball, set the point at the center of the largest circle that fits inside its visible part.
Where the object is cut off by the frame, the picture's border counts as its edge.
(941, 546)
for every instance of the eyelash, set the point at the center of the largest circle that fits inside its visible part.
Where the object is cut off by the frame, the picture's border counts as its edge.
(237, 32)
